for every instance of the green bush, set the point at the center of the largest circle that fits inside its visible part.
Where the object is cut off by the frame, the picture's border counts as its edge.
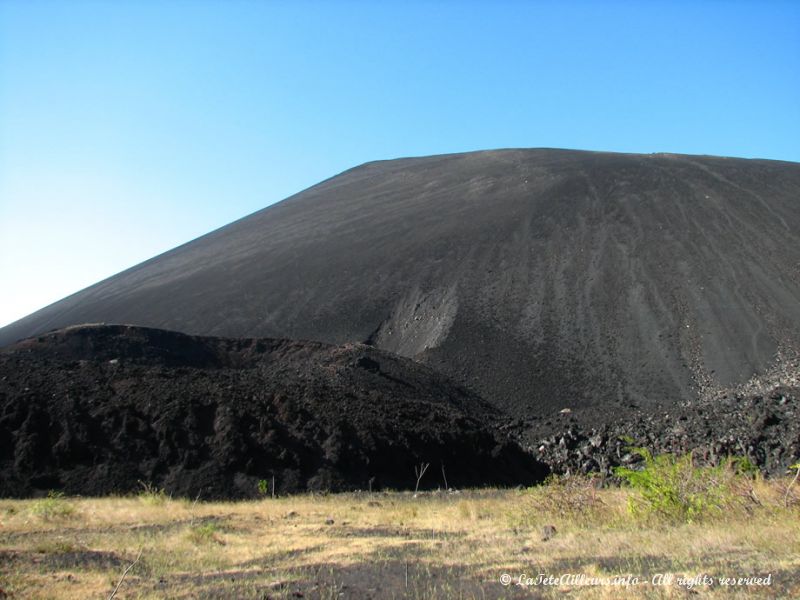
(52, 507)
(675, 488)
(203, 534)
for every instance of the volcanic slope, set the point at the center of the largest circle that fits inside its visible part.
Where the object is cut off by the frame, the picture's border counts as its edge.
(99, 409)
(541, 279)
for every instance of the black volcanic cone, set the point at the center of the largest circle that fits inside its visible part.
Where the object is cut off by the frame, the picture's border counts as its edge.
(541, 279)
(98, 409)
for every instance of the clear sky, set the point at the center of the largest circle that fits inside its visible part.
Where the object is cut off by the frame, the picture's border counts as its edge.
(127, 128)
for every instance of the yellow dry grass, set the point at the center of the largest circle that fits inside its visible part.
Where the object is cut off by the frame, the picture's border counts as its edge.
(393, 545)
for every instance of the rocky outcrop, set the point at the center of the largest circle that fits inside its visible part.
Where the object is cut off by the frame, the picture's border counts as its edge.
(104, 409)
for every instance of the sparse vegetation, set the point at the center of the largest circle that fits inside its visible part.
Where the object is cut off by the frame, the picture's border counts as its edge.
(673, 487)
(55, 506)
(419, 473)
(55, 547)
(204, 533)
(578, 498)
(445, 545)
(796, 468)
(152, 495)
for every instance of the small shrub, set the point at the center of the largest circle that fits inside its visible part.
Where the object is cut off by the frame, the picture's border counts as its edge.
(203, 534)
(152, 495)
(52, 507)
(674, 488)
(742, 465)
(263, 487)
(573, 498)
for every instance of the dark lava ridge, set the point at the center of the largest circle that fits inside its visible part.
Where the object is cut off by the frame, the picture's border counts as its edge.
(95, 410)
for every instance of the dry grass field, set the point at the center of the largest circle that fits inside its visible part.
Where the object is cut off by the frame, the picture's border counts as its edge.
(437, 545)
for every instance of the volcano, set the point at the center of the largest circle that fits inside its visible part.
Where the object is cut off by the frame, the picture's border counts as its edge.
(538, 279)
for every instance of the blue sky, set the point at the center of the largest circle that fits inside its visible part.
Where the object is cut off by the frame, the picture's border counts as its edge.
(127, 128)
